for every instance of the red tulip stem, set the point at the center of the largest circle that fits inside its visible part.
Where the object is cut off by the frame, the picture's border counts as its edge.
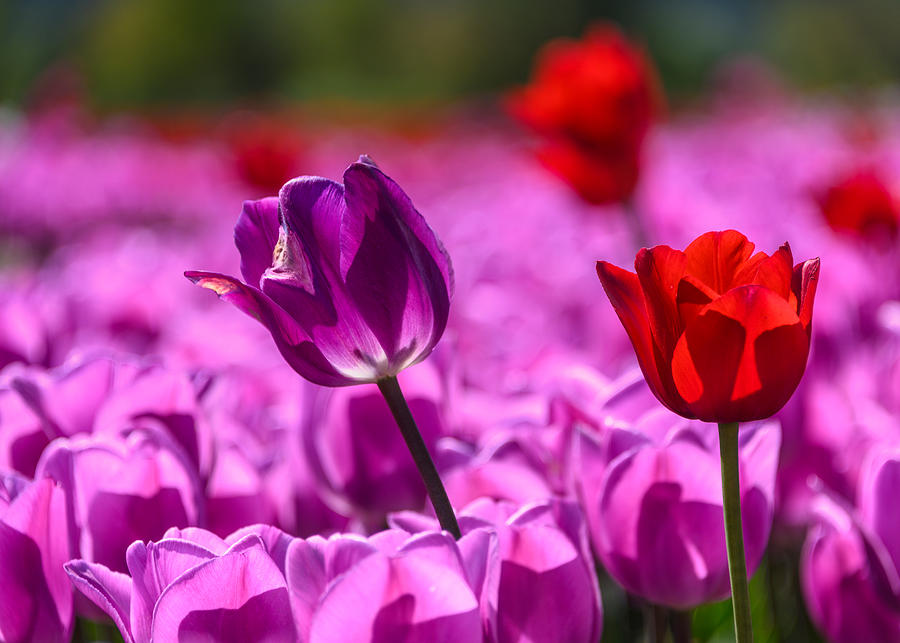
(734, 531)
(390, 389)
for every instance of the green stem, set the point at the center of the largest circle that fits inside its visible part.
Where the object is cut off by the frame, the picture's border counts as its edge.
(390, 389)
(734, 532)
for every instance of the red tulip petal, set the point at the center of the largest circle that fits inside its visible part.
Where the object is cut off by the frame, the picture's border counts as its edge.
(742, 357)
(693, 296)
(804, 283)
(659, 270)
(715, 258)
(624, 291)
(775, 272)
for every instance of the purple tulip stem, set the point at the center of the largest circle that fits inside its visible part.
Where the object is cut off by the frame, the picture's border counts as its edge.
(659, 623)
(734, 534)
(680, 622)
(390, 389)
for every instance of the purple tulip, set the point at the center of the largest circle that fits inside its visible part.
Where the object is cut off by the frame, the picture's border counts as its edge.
(391, 587)
(539, 584)
(122, 489)
(849, 581)
(192, 585)
(352, 443)
(349, 279)
(35, 597)
(654, 505)
(41, 405)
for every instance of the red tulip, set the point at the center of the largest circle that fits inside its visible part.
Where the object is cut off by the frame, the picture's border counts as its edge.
(720, 333)
(860, 203)
(593, 100)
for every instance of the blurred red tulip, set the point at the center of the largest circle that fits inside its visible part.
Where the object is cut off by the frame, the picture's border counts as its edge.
(860, 202)
(267, 150)
(593, 100)
(720, 333)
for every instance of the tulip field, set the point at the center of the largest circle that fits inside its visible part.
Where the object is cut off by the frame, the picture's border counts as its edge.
(575, 366)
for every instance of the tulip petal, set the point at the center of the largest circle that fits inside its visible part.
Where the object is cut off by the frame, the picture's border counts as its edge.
(715, 258)
(480, 552)
(198, 536)
(308, 282)
(742, 357)
(660, 270)
(314, 208)
(670, 550)
(624, 291)
(837, 577)
(692, 297)
(413, 597)
(878, 492)
(759, 452)
(238, 596)
(292, 342)
(39, 514)
(27, 611)
(110, 590)
(275, 541)
(397, 273)
(255, 236)
(545, 590)
(775, 272)
(805, 281)
(154, 567)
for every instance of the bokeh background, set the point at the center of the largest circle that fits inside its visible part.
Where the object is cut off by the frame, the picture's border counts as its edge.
(212, 55)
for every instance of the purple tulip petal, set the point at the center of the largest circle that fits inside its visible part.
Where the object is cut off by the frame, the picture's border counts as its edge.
(206, 539)
(227, 598)
(413, 597)
(154, 567)
(255, 236)
(109, 590)
(291, 340)
(670, 550)
(839, 582)
(276, 541)
(397, 273)
(34, 544)
(480, 551)
(545, 589)
(878, 493)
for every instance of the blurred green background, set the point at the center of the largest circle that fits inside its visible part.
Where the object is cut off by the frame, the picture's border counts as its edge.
(151, 53)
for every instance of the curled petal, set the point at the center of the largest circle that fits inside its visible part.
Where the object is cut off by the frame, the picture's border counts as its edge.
(292, 342)
(110, 590)
(804, 283)
(775, 272)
